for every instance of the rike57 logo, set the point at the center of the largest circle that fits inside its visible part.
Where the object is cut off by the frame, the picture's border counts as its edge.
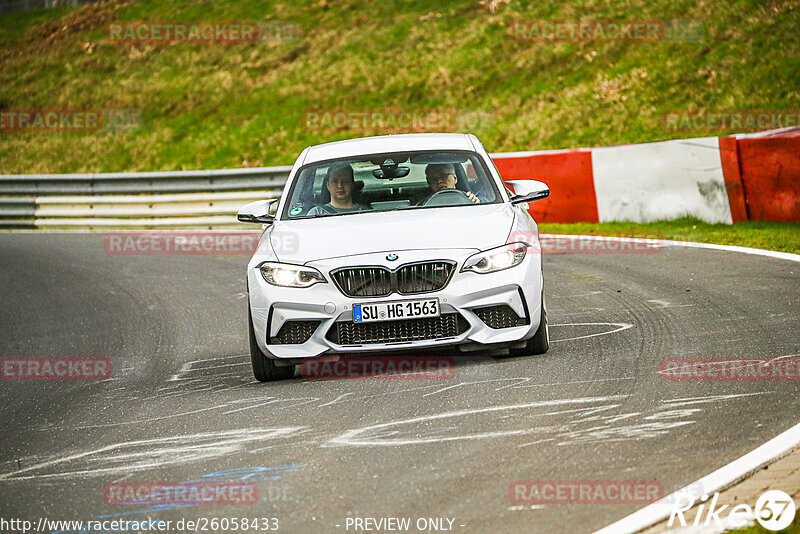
(774, 510)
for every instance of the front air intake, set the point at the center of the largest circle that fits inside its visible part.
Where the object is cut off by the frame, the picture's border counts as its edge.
(447, 325)
(294, 332)
(501, 316)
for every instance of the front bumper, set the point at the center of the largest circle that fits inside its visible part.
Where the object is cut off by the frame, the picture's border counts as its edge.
(323, 305)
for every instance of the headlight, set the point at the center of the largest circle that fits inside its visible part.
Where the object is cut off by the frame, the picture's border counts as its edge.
(285, 275)
(496, 259)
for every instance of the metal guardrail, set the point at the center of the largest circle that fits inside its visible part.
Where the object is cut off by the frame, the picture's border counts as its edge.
(14, 6)
(204, 198)
(144, 182)
(135, 200)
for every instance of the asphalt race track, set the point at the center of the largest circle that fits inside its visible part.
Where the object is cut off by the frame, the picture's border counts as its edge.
(182, 404)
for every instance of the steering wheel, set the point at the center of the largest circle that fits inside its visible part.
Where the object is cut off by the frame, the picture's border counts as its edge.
(447, 197)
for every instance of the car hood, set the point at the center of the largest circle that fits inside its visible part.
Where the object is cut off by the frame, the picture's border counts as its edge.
(457, 227)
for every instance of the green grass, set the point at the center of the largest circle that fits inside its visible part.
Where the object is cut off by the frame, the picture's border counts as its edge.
(215, 106)
(784, 237)
(794, 528)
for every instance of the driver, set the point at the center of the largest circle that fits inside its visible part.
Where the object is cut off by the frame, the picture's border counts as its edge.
(442, 176)
(341, 184)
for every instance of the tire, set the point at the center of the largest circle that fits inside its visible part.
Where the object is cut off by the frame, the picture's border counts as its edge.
(264, 369)
(540, 342)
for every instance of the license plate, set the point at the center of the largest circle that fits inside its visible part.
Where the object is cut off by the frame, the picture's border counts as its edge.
(392, 311)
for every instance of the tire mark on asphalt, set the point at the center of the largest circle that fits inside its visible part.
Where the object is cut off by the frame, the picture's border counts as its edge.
(151, 453)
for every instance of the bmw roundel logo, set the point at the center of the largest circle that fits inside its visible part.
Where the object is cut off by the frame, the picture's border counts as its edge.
(391, 257)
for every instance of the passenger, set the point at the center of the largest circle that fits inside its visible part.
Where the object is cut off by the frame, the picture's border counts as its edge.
(441, 176)
(340, 184)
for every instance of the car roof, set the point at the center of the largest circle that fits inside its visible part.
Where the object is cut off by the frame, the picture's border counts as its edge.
(388, 143)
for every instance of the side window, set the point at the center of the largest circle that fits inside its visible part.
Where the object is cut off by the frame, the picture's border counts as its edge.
(479, 182)
(304, 197)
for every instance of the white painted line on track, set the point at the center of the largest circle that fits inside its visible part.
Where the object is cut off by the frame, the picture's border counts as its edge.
(688, 244)
(718, 480)
(620, 328)
(733, 248)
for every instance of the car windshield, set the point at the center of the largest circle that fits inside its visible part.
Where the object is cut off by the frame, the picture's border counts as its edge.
(390, 181)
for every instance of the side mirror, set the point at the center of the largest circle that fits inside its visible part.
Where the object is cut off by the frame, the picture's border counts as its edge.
(528, 191)
(257, 212)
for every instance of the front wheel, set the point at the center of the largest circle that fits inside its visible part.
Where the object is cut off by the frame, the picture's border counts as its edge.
(540, 342)
(264, 369)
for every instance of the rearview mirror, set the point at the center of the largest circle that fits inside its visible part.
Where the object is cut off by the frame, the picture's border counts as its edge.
(391, 173)
(528, 191)
(257, 212)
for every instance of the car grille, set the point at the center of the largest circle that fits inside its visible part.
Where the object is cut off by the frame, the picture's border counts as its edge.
(502, 316)
(364, 281)
(411, 279)
(423, 277)
(444, 326)
(294, 332)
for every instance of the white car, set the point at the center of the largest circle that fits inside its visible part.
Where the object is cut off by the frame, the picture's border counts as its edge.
(394, 242)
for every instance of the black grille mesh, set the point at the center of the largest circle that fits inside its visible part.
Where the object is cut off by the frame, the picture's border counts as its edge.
(294, 332)
(423, 277)
(407, 280)
(502, 316)
(364, 281)
(349, 333)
